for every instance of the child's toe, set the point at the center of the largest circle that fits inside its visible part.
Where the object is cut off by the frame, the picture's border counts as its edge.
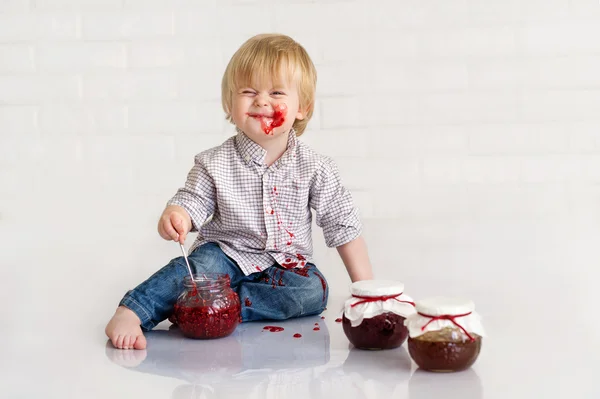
(119, 343)
(140, 342)
(126, 342)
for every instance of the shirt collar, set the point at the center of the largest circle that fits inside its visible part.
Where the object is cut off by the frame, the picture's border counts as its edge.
(253, 152)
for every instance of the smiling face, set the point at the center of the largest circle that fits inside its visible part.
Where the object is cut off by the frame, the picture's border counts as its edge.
(268, 87)
(266, 109)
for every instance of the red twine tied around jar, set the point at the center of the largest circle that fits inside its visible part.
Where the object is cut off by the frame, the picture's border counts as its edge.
(366, 299)
(447, 317)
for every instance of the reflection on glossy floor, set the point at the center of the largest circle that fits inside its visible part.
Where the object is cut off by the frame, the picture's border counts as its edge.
(534, 285)
(256, 363)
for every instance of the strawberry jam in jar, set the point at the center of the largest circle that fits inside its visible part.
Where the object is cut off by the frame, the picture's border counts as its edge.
(374, 316)
(208, 307)
(445, 334)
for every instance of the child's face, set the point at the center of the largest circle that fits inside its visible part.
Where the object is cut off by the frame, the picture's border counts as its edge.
(267, 109)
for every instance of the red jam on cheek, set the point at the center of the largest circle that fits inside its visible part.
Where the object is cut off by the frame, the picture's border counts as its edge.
(279, 114)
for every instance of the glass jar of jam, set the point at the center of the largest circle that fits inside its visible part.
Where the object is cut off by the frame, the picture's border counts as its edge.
(374, 316)
(444, 334)
(208, 307)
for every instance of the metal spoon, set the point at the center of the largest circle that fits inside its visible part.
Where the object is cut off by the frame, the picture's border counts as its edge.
(187, 263)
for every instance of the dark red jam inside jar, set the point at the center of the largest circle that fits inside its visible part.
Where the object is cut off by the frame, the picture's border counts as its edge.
(446, 350)
(208, 307)
(385, 331)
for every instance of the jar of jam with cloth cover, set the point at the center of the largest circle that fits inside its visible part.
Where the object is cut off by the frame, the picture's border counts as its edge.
(374, 315)
(208, 307)
(445, 334)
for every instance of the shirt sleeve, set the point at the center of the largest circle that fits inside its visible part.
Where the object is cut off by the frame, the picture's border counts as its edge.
(333, 205)
(197, 197)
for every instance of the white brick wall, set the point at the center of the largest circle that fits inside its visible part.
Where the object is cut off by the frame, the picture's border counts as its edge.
(465, 111)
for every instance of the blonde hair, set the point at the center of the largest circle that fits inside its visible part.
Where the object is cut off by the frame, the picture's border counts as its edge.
(267, 56)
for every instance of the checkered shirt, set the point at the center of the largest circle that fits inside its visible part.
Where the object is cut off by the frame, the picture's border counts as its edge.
(261, 215)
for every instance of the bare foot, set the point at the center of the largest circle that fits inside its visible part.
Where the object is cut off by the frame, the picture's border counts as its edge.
(129, 359)
(124, 330)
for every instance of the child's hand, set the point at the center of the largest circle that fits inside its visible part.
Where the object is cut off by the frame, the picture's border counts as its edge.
(174, 224)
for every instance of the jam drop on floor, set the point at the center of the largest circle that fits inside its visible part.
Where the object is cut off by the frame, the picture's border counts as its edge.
(273, 328)
(297, 335)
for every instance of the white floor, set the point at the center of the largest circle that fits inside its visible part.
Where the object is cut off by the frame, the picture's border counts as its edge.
(533, 283)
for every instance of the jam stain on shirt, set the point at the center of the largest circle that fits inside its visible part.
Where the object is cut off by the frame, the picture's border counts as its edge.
(248, 302)
(279, 114)
(273, 328)
(289, 264)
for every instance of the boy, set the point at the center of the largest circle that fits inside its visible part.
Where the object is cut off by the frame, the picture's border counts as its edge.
(259, 187)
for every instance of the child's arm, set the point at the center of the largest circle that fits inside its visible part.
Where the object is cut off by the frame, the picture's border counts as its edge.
(192, 205)
(339, 219)
(356, 259)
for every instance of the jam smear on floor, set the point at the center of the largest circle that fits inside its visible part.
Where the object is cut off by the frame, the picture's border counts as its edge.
(273, 328)
(297, 335)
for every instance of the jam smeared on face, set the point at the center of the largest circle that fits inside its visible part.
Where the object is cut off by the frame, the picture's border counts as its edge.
(273, 328)
(276, 120)
(279, 113)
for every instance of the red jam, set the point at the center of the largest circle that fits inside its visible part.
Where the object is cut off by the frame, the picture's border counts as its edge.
(385, 331)
(438, 351)
(208, 308)
(273, 328)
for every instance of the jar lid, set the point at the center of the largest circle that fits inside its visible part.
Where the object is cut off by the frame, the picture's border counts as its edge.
(439, 306)
(372, 288)
(460, 313)
(387, 297)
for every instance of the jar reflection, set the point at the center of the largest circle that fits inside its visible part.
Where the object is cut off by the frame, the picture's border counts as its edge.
(463, 384)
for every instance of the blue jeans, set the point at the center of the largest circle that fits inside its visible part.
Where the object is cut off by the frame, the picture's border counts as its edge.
(273, 294)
